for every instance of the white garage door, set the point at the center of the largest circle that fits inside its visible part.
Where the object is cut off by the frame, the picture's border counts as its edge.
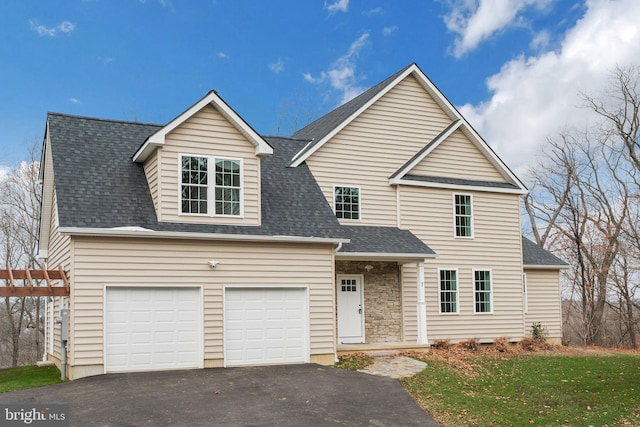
(149, 329)
(265, 326)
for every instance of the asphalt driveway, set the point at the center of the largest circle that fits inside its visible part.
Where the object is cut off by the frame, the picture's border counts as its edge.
(292, 395)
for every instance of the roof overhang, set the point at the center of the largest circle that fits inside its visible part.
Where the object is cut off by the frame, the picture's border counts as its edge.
(262, 148)
(377, 256)
(462, 187)
(133, 232)
(545, 267)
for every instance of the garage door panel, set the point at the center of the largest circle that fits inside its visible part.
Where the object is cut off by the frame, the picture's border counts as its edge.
(152, 328)
(265, 326)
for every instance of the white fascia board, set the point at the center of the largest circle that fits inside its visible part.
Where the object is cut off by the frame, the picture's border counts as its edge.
(493, 157)
(298, 160)
(476, 138)
(46, 202)
(383, 256)
(544, 267)
(158, 138)
(400, 181)
(132, 232)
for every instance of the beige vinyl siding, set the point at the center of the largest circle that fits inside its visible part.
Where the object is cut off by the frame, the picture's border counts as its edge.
(59, 253)
(496, 246)
(151, 172)
(208, 133)
(458, 157)
(374, 145)
(154, 262)
(543, 291)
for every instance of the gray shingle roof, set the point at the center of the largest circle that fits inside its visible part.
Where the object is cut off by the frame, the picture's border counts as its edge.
(388, 240)
(534, 255)
(99, 186)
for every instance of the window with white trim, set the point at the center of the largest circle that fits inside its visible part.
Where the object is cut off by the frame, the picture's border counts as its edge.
(347, 202)
(204, 194)
(463, 215)
(448, 291)
(482, 295)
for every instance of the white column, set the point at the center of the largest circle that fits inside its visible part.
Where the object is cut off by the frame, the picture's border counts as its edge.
(422, 305)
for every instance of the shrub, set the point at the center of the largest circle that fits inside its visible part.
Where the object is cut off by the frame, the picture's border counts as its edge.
(538, 332)
(442, 344)
(502, 344)
(471, 344)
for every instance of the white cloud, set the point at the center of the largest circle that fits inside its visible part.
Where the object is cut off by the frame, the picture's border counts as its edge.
(222, 55)
(337, 6)
(74, 101)
(532, 98)
(106, 59)
(541, 41)
(277, 67)
(374, 12)
(476, 20)
(63, 27)
(4, 172)
(341, 75)
(387, 31)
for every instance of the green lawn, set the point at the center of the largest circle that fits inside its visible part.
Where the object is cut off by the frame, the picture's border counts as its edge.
(532, 390)
(24, 377)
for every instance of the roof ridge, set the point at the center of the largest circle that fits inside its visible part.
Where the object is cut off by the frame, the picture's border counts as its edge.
(285, 137)
(75, 116)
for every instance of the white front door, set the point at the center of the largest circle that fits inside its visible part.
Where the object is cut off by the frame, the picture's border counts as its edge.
(350, 309)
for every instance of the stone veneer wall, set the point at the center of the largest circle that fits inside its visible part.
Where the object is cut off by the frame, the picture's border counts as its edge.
(382, 299)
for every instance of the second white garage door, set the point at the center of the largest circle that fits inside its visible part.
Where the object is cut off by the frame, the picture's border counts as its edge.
(265, 326)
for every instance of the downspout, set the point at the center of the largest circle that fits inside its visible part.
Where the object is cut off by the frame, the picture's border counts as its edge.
(335, 352)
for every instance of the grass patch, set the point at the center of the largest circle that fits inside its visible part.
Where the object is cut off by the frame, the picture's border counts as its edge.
(24, 377)
(532, 390)
(353, 362)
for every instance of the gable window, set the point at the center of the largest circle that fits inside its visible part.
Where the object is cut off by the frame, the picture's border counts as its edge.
(211, 186)
(227, 187)
(463, 215)
(347, 202)
(482, 297)
(448, 291)
(194, 187)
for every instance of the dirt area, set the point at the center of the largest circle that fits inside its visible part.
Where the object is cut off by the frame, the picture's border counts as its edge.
(462, 355)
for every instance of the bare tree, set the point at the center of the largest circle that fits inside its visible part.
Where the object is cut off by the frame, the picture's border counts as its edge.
(20, 196)
(582, 204)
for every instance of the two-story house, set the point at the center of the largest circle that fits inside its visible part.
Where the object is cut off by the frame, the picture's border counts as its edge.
(387, 223)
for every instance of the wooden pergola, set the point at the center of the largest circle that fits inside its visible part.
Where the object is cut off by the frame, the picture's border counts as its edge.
(29, 289)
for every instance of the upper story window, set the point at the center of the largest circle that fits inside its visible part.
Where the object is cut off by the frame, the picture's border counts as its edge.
(199, 188)
(482, 295)
(448, 291)
(194, 186)
(463, 215)
(347, 202)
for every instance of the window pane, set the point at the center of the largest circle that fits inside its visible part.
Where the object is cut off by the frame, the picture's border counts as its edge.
(463, 215)
(347, 202)
(448, 291)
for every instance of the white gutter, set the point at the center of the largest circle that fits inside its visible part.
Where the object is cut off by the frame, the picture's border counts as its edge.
(544, 267)
(385, 255)
(145, 233)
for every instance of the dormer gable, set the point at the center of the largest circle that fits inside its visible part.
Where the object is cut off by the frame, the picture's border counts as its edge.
(204, 166)
(214, 100)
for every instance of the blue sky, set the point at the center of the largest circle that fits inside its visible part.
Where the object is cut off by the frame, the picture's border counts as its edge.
(513, 67)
